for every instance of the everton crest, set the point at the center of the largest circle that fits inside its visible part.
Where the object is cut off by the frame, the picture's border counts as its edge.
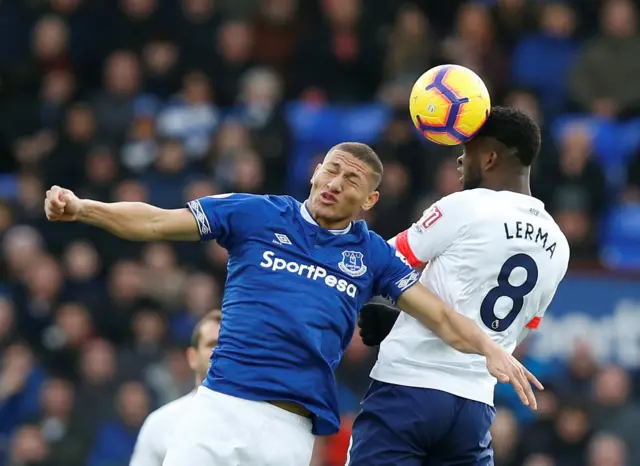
(352, 263)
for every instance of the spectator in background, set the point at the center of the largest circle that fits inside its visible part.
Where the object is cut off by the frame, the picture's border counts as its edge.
(607, 450)
(168, 177)
(37, 298)
(504, 433)
(28, 447)
(66, 163)
(64, 339)
(539, 460)
(260, 110)
(577, 378)
(146, 347)
(615, 412)
(113, 106)
(276, 28)
(542, 61)
(411, 47)
(631, 193)
(196, 27)
(474, 45)
(234, 57)
(57, 425)
(94, 395)
(345, 52)
(191, 116)
(572, 434)
(115, 439)
(21, 247)
(21, 380)
(136, 21)
(161, 67)
(7, 323)
(536, 438)
(101, 170)
(603, 79)
(140, 149)
(164, 279)
(575, 191)
(50, 43)
(82, 267)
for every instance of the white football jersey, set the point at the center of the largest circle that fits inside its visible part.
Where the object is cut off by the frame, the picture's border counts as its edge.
(156, 433)
(495, 256)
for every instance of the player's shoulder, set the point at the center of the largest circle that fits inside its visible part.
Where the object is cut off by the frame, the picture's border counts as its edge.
(360, 228)
(461, 201)
(376, 244)
(280, 203)
(267, 203)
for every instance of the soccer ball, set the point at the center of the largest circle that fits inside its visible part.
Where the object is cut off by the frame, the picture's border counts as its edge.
(449, 104)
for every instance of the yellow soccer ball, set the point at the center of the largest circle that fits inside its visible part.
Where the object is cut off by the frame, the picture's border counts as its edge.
(449, 104)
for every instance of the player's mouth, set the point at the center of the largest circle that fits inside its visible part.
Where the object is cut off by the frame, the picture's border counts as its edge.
(328, 198)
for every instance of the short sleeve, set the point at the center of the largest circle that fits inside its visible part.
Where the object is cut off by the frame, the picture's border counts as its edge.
(225, 217)
(536, 320)
(394, 275)
(436, 230)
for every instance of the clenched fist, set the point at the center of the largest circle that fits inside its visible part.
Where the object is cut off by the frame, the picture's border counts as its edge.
(61, 205)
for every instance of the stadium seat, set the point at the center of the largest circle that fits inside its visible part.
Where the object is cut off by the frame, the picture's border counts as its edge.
(621, 246)
(614, 143)
(8, 186)
(542, 64)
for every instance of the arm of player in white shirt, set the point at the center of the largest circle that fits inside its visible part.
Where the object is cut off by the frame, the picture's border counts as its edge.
(461, 333)
(440, 225)
(147, 451)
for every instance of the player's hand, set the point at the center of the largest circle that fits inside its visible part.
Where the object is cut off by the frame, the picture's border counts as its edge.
(61, 205)
(508, 369)
(376, 321)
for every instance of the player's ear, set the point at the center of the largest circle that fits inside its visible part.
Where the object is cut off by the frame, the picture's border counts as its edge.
(490, 160)
(317, 169)
(192, 358)
(372, 199)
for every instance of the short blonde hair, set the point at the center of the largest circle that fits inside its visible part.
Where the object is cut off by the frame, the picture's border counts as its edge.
(211, 316)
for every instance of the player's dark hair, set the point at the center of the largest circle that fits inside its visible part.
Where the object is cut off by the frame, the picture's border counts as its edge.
(366, 154)
(515, 130)
(211, 316)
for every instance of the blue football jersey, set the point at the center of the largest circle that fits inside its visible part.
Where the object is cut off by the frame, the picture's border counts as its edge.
(291, 299)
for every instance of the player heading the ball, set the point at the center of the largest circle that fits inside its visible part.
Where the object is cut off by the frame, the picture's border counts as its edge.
(298, 273)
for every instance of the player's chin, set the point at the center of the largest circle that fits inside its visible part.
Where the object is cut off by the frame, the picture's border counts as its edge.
(469, 183)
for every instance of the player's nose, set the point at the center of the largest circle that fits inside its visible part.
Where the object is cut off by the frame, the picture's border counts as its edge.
(335, 184)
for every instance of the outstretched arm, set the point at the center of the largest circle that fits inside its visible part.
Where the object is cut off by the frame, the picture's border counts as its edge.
(464, 335)
(134, 221)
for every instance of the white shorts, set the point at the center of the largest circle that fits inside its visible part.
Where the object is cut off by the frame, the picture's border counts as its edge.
(222, 430)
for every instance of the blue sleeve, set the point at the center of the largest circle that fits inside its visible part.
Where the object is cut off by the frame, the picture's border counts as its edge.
(394, 275)
(227, 218)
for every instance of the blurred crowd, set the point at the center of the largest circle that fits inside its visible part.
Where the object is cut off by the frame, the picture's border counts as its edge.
(166, 101)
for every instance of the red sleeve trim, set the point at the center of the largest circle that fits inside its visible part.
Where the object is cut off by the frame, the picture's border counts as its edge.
(534, 324)
(402, 245)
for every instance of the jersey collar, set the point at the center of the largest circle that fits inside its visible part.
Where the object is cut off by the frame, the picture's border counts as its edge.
(304, 211)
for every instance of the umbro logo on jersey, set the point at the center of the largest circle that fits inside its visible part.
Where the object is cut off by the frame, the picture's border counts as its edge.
(281, 239)
(201, 218)
(408, 280)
